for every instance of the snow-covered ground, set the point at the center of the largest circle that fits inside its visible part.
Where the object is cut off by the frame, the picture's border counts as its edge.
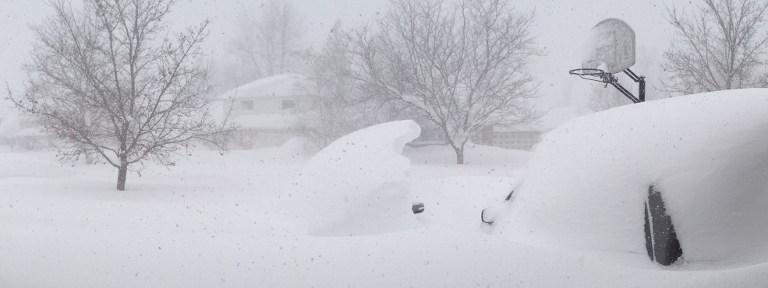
(219, 221)
(228, 221)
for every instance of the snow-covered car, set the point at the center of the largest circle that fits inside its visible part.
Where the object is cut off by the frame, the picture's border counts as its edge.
(357, 185)
(706, 155)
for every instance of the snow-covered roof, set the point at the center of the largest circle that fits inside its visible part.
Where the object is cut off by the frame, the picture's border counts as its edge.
(283, 85)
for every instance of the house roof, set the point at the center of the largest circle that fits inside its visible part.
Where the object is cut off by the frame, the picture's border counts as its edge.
(283, 85)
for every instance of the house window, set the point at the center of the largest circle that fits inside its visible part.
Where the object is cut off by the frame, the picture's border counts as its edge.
(246, 105)
(288, 104)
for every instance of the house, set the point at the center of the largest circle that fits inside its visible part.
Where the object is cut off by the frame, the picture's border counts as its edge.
(525, 136)
(269, 111)
(22, 132)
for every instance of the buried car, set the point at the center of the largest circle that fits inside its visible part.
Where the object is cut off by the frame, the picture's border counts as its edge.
(357, 185)
(684, 180)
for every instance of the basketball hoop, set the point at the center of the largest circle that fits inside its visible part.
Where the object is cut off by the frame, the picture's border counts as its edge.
(593, 74)
(611, 50)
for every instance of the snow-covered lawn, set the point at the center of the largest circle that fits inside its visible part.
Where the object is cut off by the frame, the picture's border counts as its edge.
(230, 221)
(218, 221)
(214, 221)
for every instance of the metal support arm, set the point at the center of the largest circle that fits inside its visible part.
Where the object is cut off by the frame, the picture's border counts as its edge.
(640, 80)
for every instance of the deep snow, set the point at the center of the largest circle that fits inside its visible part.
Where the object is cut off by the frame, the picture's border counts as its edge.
(220, 221)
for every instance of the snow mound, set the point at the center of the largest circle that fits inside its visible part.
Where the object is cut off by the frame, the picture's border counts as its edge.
(29, 165)
(357, 185)
(707, 154)
(295, 148)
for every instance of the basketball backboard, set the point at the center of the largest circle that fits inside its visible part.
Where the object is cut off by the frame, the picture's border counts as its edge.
(611, 47)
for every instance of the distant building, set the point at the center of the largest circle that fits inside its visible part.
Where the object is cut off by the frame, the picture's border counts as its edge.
(269, 111)
(526, 136)
(22, 132)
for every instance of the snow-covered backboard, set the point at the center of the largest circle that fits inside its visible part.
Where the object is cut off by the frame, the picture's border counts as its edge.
(611, 46)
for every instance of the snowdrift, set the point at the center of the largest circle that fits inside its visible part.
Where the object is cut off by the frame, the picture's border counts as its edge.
(357, 185)
(707, 153)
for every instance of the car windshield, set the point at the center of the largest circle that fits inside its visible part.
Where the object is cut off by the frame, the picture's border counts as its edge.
(383, 143)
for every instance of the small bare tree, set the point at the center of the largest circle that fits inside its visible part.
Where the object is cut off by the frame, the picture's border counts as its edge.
(460, 63)
(718, 46)
(268, 41)
(102, 80)
(330, 73)
(340, 106)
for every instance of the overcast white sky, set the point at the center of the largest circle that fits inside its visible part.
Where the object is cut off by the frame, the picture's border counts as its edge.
(561, 28)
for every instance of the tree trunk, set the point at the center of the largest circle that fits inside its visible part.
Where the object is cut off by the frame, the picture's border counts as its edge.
(122, 173)
(459, 154)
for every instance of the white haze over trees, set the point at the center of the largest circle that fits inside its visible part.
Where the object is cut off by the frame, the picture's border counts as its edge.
(560, 28)
(104, 80)
(268, 41)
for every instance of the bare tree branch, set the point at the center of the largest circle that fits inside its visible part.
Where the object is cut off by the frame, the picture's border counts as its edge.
(718, 46)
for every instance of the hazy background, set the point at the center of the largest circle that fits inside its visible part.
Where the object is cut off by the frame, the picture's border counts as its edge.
(561, 27)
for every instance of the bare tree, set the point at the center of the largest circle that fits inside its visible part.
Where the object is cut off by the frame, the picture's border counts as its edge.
(461, 63)
(104, 81)
(340, 105)
(333, 114)
(268, 41)
(718, 46)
